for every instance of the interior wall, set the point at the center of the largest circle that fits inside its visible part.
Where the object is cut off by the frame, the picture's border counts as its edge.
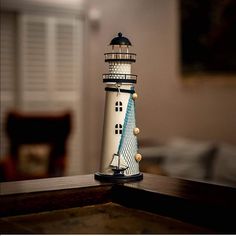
(167, 106)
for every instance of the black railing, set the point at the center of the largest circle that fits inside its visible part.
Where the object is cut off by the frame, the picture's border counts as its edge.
(119, 78)
(120, 56)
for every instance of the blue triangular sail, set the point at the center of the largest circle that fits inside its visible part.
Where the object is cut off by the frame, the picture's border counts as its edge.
(128, 143)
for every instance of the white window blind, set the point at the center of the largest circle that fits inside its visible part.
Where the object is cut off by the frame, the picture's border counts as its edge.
(49, 69)
(7, 72)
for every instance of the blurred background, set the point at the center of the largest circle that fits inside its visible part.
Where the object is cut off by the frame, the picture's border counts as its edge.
(52, 95)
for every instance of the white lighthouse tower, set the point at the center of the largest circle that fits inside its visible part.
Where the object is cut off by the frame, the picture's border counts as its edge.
(120, 157)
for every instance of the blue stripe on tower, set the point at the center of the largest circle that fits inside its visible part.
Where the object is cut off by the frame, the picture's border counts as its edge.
(128, 144)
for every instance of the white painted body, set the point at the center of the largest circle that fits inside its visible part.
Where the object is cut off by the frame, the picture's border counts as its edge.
(111, 140)
(111, 118)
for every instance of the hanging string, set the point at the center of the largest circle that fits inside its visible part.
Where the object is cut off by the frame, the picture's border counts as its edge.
(118, 89)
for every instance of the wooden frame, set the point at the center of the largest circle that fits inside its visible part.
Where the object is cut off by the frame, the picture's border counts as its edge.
(200, 204)
(210, 47)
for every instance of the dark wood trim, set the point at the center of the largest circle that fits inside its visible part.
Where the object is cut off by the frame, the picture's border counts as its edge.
(206, 193)
(18, 204)
(48, 184)
(202, 204)
(29, 196)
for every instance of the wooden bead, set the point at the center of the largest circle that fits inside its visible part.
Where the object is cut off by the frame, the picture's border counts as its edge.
(135, 96)
(136, 131)
(138, 157)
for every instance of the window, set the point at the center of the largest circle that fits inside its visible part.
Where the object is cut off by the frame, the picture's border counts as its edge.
(50, 61)
(118, 129)
(210, 47)
(118, 106)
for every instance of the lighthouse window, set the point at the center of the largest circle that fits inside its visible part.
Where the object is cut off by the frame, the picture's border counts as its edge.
(118, 129)
(118, 106)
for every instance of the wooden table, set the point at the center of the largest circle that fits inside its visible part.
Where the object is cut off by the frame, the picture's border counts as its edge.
(80, 204)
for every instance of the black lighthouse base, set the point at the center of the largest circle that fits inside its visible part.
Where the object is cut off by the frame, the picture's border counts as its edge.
(117, 178)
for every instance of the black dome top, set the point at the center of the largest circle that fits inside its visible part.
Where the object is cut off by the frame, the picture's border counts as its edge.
(120, 40)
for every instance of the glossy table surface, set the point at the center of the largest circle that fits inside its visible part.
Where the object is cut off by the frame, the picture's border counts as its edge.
(156, 204)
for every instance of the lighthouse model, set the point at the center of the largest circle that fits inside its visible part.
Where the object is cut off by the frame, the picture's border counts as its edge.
(120, 157)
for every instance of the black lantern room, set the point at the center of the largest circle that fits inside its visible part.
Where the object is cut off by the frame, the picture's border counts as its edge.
(120, 50)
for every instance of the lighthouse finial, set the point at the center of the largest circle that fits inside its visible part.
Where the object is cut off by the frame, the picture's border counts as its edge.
(120, 40)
